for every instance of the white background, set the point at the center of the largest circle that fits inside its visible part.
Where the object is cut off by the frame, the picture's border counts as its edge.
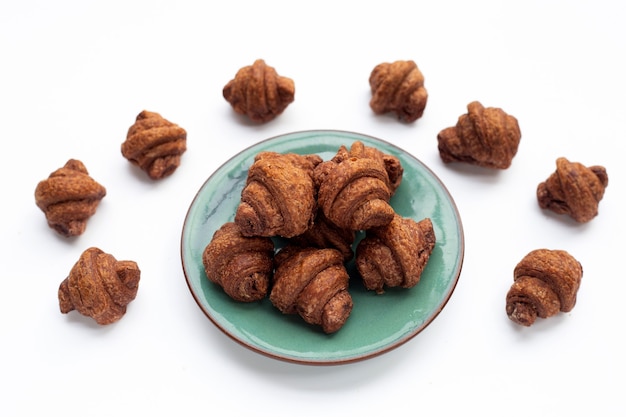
(74, 75)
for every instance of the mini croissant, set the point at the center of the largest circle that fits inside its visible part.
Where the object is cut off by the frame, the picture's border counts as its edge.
(573, 189)
(545, 282)
(398, 87)
(279, 197)
(241, 265)
(313, 283)
(155, 144)
(257, 91)
(355, 187)
(486, 137)
(395, 255)
(68, 198)
(325, 234)
(99, 286)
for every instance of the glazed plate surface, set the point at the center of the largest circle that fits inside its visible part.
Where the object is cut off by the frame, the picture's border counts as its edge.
(378, 323)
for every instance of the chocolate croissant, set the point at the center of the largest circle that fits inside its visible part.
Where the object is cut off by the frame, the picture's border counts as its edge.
(68, 198)
(395, 255)
(279, 197)
(313, 283)
(573, 189)
(155, 144)
(355, 187)
(486, 137)
(545, 282)
(99, 286)
(241, 265)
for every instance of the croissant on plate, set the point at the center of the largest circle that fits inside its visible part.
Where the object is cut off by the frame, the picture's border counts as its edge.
(325, 234)
(99, 286)
(355, 186)
(241, 265)
(545, 282)
(279, 197)
(395, 255)
(68, 198)
(312, 283)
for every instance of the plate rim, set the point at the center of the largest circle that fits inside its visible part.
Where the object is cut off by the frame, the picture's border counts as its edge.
(328, 361)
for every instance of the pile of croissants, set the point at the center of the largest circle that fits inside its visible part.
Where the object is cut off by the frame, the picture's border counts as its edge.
(316, 208)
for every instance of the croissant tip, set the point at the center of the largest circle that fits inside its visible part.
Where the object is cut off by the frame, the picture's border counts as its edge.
(70, 229)
(522, 314)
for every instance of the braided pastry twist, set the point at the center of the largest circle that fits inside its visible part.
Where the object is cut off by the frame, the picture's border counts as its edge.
(573, 189)
(395, 255)
(68, 198)
(313, 283)
(155, 144)
(486, 137)
(398, 87)
(545, 282)
(257, 91)
(99, 286)
(241, 265)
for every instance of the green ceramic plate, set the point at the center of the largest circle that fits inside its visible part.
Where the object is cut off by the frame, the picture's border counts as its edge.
(378, 323)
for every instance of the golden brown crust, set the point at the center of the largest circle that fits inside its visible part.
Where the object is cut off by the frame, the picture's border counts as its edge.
(398, 87)
(68, 198)
(545, 282)
(155, 144)
(325, 234)
(241, 265)
(279, 198)
(573, 189)
(395, 255)
(359, 150)
(99, 286)
(313, 283)
(355, 187)
(257, 91)
(486, 137)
